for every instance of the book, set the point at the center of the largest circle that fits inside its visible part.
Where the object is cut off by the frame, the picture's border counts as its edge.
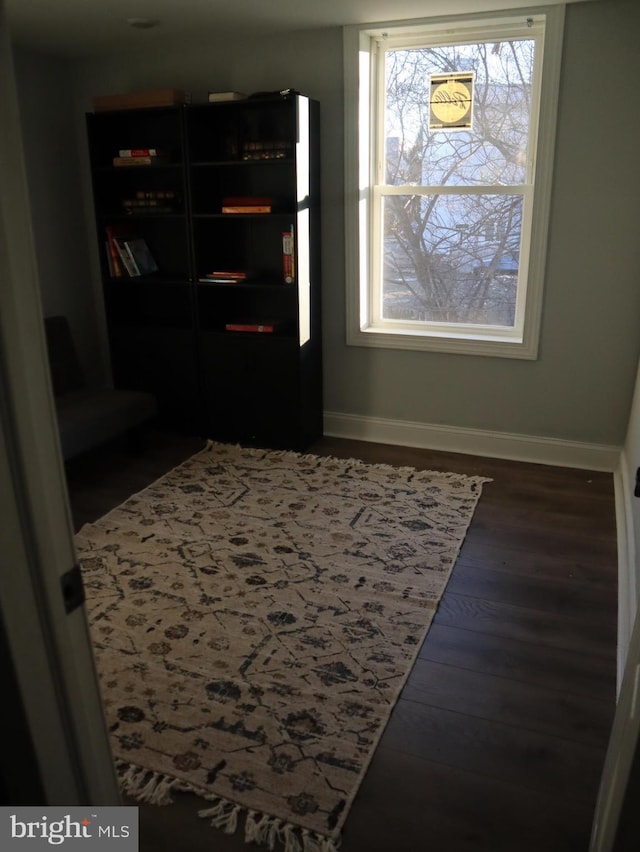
(247, 208)
(276, 150)
(267, 327)
(110, 263)
(288, 271)
(140, 152)
(128, 253)
(114, 232)
(137, 100)
(151, 201)
(134, 207)
(222, 277)
(220, 97)
(247, 204)
(140, 256)
(238, 274)
(125, 258)
(143, 202)
(140, 161)
(168, 194)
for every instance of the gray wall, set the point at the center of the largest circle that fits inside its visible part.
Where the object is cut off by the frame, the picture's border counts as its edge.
(47, 110)
(580, 387)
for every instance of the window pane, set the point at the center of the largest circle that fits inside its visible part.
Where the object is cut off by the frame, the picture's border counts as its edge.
(494, 150)
(451, 258)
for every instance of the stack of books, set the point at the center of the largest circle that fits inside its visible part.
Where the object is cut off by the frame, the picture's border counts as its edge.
(140, 157)
(276, 150)
(228, 276)
(151, 201)
(127, 253)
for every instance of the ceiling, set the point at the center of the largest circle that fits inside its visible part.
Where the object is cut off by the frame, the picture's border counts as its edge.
(88, 27)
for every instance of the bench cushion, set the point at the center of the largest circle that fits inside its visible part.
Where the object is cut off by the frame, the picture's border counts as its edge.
(88, 416)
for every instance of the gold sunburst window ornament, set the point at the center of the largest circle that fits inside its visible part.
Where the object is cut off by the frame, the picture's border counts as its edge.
(451, 101)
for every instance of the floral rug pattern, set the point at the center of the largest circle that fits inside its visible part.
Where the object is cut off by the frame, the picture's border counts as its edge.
(255, 615)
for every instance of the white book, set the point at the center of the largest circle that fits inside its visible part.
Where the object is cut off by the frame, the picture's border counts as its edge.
(140, 256)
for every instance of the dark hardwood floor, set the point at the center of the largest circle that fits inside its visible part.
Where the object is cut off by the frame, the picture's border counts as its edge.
(499, 737)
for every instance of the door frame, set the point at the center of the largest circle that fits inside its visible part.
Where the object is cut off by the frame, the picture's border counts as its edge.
(49, 649)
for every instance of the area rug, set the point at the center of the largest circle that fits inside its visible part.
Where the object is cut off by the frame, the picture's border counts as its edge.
(254, 616)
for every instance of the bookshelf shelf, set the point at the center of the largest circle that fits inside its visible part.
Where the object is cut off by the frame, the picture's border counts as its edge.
(153, 278)
(122, 170)
(241, 164)
(175, 335)
(254, 216)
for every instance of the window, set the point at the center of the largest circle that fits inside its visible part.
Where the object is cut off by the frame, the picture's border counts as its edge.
(450, 131)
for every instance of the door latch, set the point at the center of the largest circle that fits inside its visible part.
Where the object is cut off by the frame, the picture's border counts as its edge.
(72, 589)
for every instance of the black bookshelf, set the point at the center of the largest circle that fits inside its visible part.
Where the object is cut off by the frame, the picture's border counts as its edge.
(174, 331)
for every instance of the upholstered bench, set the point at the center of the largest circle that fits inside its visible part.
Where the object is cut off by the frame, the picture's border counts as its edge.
(88, 416)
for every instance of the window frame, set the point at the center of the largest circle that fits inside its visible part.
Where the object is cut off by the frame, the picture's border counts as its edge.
(362, 117)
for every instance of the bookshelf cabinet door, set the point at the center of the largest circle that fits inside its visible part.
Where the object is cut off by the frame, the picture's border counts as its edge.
(252, 388)
(163, 362)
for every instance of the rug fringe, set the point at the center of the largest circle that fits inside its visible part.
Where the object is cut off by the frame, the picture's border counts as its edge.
(223, 815)
(317, 843)
(264, 830)
(350, 462)
(151, 787)
(155, 788)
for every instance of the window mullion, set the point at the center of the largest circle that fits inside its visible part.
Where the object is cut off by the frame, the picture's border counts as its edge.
(447, 189)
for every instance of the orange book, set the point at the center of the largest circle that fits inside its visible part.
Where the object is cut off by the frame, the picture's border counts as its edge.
(247, 208)
(247, 204)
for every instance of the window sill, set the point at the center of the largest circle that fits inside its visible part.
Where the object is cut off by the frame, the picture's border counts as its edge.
(490, 345)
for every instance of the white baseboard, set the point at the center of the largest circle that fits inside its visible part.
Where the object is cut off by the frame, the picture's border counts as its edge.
(452, 439)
